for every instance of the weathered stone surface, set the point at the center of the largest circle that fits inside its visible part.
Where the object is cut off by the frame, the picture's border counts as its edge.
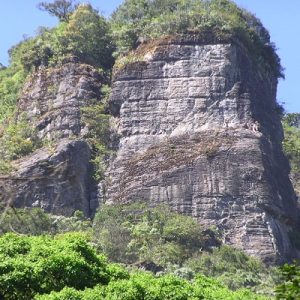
(187, 116)
(52, 99)
(58, 181)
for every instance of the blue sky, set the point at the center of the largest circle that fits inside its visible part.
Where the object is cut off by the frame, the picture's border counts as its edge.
(280, 17)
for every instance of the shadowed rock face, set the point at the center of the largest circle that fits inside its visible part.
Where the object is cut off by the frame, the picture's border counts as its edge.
(58, 181)
(199, 130)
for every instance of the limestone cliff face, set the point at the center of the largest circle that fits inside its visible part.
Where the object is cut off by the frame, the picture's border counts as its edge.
(199, 130)
(57, 179)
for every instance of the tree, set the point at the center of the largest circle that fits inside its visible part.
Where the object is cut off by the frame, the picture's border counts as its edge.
(59, 8)
(37, 265)
(87, 36)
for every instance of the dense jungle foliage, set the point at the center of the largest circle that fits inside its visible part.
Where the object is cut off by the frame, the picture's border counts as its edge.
(68, 267)
(42, 257)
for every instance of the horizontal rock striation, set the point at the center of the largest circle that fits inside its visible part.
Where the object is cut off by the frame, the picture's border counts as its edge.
(199, 130)
(59, 178)
(52, 99)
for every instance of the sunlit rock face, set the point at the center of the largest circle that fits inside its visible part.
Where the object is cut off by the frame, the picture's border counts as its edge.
(52, 99)
(198, 129)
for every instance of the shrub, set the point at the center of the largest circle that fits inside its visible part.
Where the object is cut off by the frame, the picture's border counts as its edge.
(11, 82)
(96, 119)
(35, 221)
(18, 139)
(145, 286)
(234, 268)
(32, 265)
(137, 233)
(84, 35)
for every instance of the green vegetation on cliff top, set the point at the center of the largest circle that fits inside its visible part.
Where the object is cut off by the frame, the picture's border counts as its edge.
(216, 20)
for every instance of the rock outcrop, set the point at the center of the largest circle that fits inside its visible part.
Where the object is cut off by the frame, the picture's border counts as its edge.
(52, 99)
(199, 130)
(58, 179)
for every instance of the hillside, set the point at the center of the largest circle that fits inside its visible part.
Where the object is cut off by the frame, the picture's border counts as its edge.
(113, 126)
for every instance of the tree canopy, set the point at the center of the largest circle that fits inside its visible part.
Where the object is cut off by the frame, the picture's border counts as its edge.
(59, 8)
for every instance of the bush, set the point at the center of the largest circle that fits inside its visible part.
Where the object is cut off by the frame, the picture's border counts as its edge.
(25, 221)
(32, 265)
(68, 266)
(96, 119)
(35, 221)
(235, 269)
(145, 286)
(291, 147)
(11, 82)
(137, 233)
(85, 34)
(18, 139)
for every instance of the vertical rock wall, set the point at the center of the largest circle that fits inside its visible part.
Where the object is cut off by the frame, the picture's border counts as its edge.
(58, 178)
(199, 130)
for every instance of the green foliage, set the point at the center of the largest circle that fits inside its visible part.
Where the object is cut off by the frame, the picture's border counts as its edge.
(39, 265)
(75, 223)
(11, 82)
(292, 119)
(25, 221)
(145, 286)
(234, 268)
(35, 221)
(289, 289)
(136, 233)
(85, 35)
(18, 139)
(96, 119)
(138, 20)
(291, 147)
(68, 266)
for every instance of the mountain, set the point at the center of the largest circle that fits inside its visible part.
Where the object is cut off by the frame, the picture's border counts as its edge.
(191, 121)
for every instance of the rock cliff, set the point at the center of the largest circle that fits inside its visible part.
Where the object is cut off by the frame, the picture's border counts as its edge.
(195, 125)
(52, 99)
(58, 181)
(58, 178)
(198, 129)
